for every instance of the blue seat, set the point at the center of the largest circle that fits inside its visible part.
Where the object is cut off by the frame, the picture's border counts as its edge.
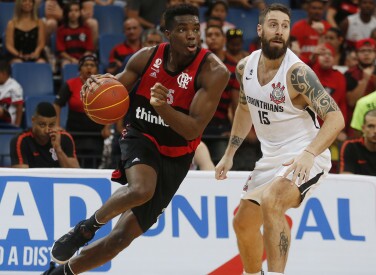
(3, 48)
(35, 78)
(6, 13)
(69, 71)
(297, 14)
(284, 2)
(31, 103)
(5, 138)
(246, 20)
(106, 43)
(110, 18)
(202, 10)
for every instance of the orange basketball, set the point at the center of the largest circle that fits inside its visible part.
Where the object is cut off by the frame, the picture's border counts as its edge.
(108, 103)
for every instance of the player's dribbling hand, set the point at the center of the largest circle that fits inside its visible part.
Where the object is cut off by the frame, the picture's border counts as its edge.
(223, 166)
(158, 95)
(300, 166)
(92, 84)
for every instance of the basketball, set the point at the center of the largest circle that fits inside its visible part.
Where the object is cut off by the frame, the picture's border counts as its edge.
(108, 103)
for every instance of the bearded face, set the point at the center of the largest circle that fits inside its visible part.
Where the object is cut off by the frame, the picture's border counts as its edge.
(273, 48)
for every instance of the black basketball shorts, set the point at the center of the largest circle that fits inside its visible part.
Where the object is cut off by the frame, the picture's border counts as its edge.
(171, 171)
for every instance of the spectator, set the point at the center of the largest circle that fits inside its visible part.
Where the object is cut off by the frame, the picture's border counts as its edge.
(361, 79)
(45, 144)
(218, 10)
(334, 83)
(351, 59)
(11, 97)
(248, 4)
(220, 123)
(363, 105)
(147, 12)
(53, 10)
(73, 38)
(234, 45)
(338, 10)
(87, 134)
(309, 32)
(334, 37)
(25, 34)
(151, 37)
(54, 17)
(202, 160)
(132, 43)
(359, 156)
(358, 26)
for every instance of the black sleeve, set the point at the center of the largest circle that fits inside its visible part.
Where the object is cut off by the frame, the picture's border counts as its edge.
(63, 96)
(18, 151)
(67, 144)
(351, 82)
(349, 159)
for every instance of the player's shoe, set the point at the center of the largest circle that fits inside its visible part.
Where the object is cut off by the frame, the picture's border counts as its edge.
(65, 247)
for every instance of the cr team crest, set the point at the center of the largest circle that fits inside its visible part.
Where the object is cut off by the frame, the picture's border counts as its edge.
(277, 95)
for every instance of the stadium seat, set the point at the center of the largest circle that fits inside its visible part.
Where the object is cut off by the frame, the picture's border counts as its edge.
(106, 43)
(202, 10)
(31, 103)
(110, 18)
(5, 138)
(69, 71)
(35, 78)
(247, 21)
(3, 50)
(6, 13)
(297, 14)
(284, 2)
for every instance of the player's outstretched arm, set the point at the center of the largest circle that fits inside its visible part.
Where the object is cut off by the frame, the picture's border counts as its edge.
(241, 126)
(212, 81)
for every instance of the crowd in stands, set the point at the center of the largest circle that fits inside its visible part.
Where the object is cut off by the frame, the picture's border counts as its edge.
(336, 38)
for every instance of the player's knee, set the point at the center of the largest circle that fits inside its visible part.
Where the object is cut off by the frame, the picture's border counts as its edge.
(273, 199)
(141, 193)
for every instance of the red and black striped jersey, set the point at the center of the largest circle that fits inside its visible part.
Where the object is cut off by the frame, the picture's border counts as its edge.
(182, 87)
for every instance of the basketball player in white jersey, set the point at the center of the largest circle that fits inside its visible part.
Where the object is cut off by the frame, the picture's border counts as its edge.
(280, 96)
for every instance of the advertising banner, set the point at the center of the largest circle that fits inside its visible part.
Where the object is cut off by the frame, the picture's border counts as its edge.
(333, 232)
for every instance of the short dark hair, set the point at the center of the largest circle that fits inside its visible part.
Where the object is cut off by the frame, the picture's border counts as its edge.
(182, 9)
(371, 112)
(5, 66)
(274, 7)
(215, 27)
(45, 109)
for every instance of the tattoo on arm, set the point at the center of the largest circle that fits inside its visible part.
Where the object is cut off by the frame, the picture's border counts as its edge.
(305, 81)
(239, 76)
(283, 243)
(236, 141)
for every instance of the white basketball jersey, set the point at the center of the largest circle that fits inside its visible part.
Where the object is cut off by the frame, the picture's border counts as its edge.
(281, 128)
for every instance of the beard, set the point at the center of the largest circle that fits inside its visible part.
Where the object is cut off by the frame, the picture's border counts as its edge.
(272, 52)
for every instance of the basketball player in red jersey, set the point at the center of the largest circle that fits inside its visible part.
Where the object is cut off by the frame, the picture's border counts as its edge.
(178, 89)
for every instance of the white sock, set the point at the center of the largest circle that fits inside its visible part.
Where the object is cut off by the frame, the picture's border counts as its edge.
(274, 273)
(257, 273)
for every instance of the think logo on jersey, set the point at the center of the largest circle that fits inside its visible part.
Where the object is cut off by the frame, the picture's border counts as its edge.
(183, 80)
(277, 95)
